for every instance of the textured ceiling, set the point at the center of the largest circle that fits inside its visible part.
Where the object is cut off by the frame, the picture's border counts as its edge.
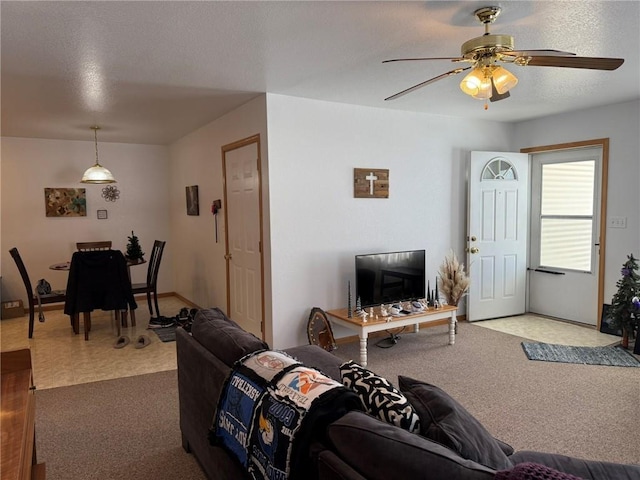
(151, 72)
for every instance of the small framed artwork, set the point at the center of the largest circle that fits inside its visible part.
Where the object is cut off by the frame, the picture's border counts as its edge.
(193, 202)
(65, 202)
(102, 215)
(370, 183)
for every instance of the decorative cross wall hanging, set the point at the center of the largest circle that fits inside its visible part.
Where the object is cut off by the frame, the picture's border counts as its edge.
(370, 183)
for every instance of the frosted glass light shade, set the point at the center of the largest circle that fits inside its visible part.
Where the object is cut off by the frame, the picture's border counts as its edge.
(471, 83)
(484, 90)
(504, 80)
(97, 174)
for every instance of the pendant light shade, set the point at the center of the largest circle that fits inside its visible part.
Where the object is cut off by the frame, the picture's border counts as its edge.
(97, 173)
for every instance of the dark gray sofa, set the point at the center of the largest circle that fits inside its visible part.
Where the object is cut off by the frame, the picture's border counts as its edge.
(357, 446)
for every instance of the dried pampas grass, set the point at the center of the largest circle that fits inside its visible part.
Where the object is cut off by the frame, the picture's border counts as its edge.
(453, 281)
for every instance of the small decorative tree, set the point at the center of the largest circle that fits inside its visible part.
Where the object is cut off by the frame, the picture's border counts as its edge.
(453, 280)
(625, 308)
(134, 252)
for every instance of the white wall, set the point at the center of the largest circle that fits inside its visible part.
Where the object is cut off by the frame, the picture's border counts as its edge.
(196, 159)
(30, 165)
(317, 227)
(621, 124)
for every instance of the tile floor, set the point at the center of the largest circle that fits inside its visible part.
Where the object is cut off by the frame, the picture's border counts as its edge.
(61, 358)
(548, 330)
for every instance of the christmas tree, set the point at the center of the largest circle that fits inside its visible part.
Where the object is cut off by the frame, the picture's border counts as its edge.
(625, 307)
(134, 252)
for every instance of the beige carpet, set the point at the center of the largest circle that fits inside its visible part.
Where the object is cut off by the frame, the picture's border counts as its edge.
(588, 411)
(128, 428)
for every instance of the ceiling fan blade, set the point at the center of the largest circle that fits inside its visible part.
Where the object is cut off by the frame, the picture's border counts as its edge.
(594, 63)
(427, 82)
(453, 59)
(537, 53)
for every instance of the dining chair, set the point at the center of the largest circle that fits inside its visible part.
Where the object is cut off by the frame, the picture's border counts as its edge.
(98, 279)
(56, 296)
(93, 246)
(151, 285)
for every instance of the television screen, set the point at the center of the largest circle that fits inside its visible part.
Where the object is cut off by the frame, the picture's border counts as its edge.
(390, 277)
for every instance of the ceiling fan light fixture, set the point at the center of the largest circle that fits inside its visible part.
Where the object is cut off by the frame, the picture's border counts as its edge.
(504, 80)
(472, 82)
(485, 90)
(97, 174)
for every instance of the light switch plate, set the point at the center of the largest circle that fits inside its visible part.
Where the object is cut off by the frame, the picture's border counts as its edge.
(618, 222)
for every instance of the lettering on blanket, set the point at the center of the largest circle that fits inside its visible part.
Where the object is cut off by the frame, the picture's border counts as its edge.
(261, 412)
(303, 385)
(236, 414)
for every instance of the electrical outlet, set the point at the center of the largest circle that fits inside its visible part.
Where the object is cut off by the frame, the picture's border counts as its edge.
(617, 222)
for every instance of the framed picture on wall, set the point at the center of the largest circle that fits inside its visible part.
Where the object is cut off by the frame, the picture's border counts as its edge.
(65, 202)
(193, 202)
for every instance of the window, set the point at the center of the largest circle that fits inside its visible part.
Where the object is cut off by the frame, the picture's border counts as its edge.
(567, 215)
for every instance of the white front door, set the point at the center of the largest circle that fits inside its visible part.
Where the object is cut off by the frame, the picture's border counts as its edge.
(242, 191)
(565, 234)
(497, 234)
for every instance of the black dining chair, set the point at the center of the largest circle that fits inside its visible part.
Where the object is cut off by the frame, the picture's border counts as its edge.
(151, 285)
(56, 296)
(98, 279)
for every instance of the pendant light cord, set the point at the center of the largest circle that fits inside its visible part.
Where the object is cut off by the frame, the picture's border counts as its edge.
(95, 131)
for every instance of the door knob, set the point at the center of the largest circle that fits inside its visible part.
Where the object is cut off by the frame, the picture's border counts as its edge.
(474, 250)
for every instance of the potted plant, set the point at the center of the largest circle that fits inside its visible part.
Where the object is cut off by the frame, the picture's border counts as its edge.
(625, 305)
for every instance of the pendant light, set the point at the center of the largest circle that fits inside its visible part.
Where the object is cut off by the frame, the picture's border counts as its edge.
(97, 173)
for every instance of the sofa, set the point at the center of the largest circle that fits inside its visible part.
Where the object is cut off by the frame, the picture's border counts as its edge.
(450, 444)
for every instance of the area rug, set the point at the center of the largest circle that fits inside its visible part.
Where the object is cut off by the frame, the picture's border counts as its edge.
(612, 356)
(166, 334)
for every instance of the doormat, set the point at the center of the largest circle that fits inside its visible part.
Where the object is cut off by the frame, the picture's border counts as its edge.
(547, 352)
(166, 334)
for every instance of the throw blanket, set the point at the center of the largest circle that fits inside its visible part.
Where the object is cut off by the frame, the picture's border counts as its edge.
(533, 471)
(270, 409)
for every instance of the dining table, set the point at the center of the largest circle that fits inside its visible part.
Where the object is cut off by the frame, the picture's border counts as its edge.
(65, 266)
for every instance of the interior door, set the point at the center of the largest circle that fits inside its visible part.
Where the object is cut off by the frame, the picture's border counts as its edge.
(497, 234)
(243, 219)
(565, 233)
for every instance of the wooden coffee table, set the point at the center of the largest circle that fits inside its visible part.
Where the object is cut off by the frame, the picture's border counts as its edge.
(364, 328)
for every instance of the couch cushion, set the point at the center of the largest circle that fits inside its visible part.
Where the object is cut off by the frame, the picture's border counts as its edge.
(379, 397)
(379, 451)
(447, 422)
(318, 358)
(223, 337)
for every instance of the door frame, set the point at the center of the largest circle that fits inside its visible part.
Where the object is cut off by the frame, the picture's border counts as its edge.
(604, 182)
(254, 139)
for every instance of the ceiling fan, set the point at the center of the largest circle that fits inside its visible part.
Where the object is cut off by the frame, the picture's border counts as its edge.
(488, 79)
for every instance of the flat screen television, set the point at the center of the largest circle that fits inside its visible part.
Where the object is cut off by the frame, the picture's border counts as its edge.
(390, 277)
